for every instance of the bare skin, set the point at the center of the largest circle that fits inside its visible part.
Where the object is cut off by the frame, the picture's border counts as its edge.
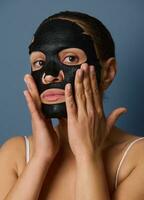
(59, 181)
(64, 166)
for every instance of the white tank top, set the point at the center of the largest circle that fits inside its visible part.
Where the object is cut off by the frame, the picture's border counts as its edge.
(119, 165)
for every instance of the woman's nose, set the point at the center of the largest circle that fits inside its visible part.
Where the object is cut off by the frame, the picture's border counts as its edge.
(46, 79)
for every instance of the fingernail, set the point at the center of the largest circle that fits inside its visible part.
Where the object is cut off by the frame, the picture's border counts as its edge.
(92, 69)
(85, 67)
(69, 86)
(24, 92)
(125, 111)
(80, 73)
(69, 89)
(28, 84)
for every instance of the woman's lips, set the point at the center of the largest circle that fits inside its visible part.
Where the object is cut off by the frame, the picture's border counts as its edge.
(53, 95)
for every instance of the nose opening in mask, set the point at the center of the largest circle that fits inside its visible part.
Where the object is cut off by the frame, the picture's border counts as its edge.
(48, 78)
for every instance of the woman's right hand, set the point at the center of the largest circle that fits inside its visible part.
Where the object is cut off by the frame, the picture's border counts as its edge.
(46, 140)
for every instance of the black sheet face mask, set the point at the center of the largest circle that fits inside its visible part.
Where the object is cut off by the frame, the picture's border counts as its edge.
(50, 38)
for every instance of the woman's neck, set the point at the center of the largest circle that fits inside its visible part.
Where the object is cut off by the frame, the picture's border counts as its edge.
(62, 131)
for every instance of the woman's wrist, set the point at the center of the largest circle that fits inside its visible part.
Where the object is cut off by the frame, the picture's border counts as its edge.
(43, 160)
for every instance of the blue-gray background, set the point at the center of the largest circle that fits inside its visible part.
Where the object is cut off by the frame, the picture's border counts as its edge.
(19, 20)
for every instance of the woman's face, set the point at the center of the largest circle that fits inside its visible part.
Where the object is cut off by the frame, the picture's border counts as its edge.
(69, 57)
(57, 51)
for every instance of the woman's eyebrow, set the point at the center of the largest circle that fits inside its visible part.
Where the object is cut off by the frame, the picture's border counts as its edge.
(37, 56)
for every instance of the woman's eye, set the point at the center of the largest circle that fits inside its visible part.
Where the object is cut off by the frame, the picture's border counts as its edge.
(71, 59)
(38, 63)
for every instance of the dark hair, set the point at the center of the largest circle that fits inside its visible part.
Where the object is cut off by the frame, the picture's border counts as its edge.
(103, 41)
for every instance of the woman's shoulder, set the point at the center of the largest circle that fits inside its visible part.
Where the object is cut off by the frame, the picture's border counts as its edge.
(119, 136)
(12, 151)
(12, 145)
(123, 155)
(128, 143)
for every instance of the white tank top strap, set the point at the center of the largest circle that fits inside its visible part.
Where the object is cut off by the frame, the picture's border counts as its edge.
(123, 157)
(27, 149)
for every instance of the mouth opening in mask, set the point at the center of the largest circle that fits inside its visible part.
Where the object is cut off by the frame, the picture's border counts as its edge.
(53, 96)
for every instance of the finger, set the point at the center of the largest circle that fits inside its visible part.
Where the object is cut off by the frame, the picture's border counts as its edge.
(88, 89)
(37, 116)
(96, 95)
(32, 89)
(79, 91)
(70, 104)
(31, 106)
(113, 117)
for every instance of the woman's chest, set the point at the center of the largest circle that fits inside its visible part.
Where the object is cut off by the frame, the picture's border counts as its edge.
(60, 182)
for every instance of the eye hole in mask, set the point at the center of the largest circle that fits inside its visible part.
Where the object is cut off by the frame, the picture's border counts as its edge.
(70, 56)
(37, 60)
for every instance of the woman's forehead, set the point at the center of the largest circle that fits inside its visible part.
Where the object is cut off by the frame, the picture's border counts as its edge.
(36, 54)
(56, 35)
(59, 33)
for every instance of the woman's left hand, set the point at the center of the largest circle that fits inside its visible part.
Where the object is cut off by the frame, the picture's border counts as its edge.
(88, 128)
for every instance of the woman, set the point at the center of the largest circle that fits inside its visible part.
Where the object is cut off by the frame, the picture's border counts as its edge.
(85, 157)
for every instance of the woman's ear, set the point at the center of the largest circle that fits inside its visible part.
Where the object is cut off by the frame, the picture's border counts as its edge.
(109, 69)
